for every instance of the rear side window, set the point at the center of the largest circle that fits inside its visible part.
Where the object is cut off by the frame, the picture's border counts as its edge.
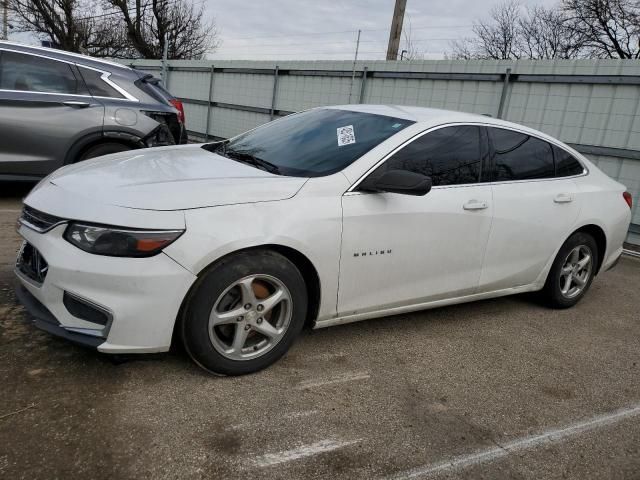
(97, 86)
(450, 156)
(29, 73)
(566, 164)
(518, 156)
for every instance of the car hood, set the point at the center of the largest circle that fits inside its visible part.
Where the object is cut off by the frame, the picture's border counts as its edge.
(172, 178)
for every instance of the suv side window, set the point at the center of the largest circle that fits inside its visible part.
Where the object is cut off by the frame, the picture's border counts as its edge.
(518, 156)
(566, 164)
(98, 87)
(449, 155)
(30, 73)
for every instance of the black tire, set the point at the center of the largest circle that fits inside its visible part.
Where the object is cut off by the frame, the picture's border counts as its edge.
(103, 149)
(212, 285)
(552, 291)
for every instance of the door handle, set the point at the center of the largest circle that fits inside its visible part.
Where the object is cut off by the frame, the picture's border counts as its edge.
(75, 104)
(475, 205)
(563, 198)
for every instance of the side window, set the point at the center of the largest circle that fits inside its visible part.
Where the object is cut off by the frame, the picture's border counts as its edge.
(450, 156)
(98, 87)
(37, 74)
(566, 165)
(518, 156)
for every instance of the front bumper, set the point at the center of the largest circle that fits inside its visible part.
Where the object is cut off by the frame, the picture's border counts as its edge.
(44, 320)
(141, 296)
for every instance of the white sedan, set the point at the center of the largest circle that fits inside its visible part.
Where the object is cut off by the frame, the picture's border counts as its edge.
(328, 216)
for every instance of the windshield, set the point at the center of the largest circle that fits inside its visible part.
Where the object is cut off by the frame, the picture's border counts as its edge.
(311, 144)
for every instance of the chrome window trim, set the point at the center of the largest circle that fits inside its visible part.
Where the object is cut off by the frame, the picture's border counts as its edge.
(104, 77)
(71, 54)
(585, 171)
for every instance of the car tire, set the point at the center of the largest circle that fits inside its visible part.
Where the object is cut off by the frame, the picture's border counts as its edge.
(571, 273)
(260, 294)
(103, 149)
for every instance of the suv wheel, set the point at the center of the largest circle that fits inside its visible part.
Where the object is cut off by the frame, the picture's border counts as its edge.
(103, 149)
(245, 313)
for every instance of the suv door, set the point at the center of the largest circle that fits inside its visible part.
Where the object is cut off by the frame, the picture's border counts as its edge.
(535, 207)
(44, 108)
(402, 250)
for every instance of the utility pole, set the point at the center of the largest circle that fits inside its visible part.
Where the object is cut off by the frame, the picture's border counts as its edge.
(5, 19)
(165, 68)
(396, 29)
(353, 71)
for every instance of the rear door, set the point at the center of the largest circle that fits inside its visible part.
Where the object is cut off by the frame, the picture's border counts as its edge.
(535, 206)
(44, 108)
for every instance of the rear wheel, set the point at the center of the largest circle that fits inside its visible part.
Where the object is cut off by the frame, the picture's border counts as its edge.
(572, 271)
(103, 149)
(245, 313)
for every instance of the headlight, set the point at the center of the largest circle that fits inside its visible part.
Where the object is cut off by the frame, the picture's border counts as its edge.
(119, 242)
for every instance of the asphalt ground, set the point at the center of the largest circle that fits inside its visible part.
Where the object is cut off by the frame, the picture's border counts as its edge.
(496, 389)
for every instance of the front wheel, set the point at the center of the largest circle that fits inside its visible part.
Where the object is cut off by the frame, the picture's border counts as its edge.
(572, 271)
(245, 313)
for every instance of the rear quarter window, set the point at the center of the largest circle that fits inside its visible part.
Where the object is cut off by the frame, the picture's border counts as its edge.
(566, 164)
(96, 85)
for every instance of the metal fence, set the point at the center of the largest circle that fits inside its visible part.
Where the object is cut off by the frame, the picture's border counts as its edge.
(589, 104)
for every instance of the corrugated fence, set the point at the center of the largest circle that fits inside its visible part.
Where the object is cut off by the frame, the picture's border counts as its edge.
(590, 104)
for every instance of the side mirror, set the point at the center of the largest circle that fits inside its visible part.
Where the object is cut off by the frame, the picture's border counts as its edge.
(398, 181)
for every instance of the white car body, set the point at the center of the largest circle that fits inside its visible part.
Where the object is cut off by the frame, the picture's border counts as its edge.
(373, 254)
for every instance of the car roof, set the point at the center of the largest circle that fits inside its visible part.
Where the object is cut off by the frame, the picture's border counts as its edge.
(67, 56)
(429, 117)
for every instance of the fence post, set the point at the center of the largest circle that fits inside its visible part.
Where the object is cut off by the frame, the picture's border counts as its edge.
(503, 95)
(275, 90)
(206, 132)
(363, 84)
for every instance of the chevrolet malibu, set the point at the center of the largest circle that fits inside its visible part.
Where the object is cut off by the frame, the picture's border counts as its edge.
(329, 216)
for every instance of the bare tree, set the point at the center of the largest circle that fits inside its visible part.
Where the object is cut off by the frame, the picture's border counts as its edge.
(513, 32)
(113, 29)
(544, 34)
(498, 38)
(609, 28)
(148, 25)
(410, 51)
(67, 23)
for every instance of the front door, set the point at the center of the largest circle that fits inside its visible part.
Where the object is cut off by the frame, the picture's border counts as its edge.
(400, 249)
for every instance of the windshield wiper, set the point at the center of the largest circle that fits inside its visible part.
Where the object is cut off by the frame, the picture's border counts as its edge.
(249, 159)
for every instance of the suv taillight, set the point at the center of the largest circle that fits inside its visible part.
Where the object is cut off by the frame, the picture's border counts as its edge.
(178, 104)
(628, 199)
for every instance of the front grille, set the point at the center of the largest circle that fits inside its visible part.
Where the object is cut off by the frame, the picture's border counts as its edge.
(32, 264)
(39, 221)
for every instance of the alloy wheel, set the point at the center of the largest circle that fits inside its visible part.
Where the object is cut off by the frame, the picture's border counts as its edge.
(576, 271)
(250, 317)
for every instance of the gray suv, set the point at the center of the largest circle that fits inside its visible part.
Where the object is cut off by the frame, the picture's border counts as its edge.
(58, 108)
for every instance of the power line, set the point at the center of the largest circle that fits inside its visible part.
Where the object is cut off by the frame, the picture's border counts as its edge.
(144, 6)
(288, 35)
(336, 42)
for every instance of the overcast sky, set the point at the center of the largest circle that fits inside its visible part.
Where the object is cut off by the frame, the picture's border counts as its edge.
(294, 29)
(327, 29)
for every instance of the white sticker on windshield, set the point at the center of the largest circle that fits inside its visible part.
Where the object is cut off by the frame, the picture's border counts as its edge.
(346, 135)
